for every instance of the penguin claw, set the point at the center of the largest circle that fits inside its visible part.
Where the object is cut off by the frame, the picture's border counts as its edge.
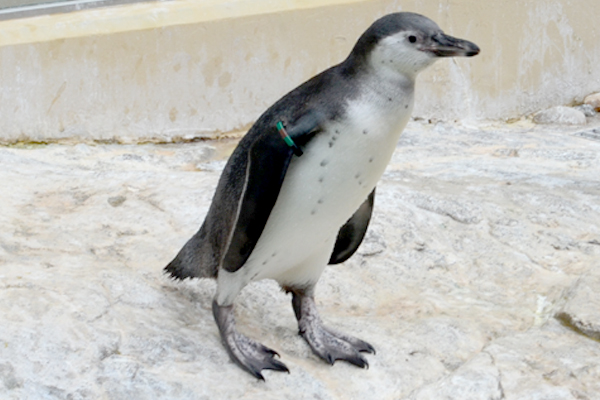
(256, 368)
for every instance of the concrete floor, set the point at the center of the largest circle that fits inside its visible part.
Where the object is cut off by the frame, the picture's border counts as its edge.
(479, 277)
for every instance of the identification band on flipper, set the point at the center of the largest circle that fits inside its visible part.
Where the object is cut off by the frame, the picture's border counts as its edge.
(288, 140)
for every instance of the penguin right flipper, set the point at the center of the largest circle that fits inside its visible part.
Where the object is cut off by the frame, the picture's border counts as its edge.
(268, 158)
(352, 233)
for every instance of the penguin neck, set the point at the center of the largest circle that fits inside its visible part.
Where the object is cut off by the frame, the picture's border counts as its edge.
(380, 78)
(388, 82)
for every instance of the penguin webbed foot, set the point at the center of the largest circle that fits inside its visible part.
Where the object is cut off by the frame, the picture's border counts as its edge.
(332, 346)
(326, 343)
(249, 354)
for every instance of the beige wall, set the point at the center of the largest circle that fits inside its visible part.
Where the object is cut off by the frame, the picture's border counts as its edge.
(189, 68)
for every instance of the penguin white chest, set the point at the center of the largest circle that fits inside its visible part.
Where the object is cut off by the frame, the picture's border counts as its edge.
(324, 187)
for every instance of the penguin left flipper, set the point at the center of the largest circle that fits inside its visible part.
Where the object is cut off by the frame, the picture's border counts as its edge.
(268, 158)
(352, 233)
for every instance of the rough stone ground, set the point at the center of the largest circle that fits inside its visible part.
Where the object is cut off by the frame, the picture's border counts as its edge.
(479, 277)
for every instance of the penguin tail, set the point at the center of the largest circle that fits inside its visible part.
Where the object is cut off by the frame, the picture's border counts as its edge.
(193, 261)
(177, 270)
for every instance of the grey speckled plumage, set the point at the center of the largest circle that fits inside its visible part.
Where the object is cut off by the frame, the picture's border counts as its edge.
(283, 217)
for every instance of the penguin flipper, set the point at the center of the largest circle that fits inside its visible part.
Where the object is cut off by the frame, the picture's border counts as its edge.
(268, 158)
(352, 233)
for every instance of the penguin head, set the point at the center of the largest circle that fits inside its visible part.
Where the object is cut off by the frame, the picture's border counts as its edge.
(407, 43)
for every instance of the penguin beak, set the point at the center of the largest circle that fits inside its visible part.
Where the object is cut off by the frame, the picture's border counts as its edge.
(443, 45)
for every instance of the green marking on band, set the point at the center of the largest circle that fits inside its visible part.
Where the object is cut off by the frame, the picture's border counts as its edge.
(288, 140)
(284, 135)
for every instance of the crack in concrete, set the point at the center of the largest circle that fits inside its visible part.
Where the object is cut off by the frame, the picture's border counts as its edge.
(500, 386)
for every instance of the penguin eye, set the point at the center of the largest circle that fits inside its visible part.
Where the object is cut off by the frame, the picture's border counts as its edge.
(412, 38)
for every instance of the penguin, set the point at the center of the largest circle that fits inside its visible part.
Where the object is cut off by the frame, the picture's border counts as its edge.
(298, 191)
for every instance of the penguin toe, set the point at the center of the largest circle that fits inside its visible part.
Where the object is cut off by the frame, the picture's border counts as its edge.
(277, 366)
(358, 360)
(253, 356)
(358, 344)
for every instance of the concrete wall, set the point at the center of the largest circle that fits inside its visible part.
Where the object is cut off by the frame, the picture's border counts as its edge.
(190, 68)
(20, 3)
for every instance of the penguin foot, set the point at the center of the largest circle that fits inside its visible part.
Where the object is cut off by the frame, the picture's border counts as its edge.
(245, 352)
(327, 343)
